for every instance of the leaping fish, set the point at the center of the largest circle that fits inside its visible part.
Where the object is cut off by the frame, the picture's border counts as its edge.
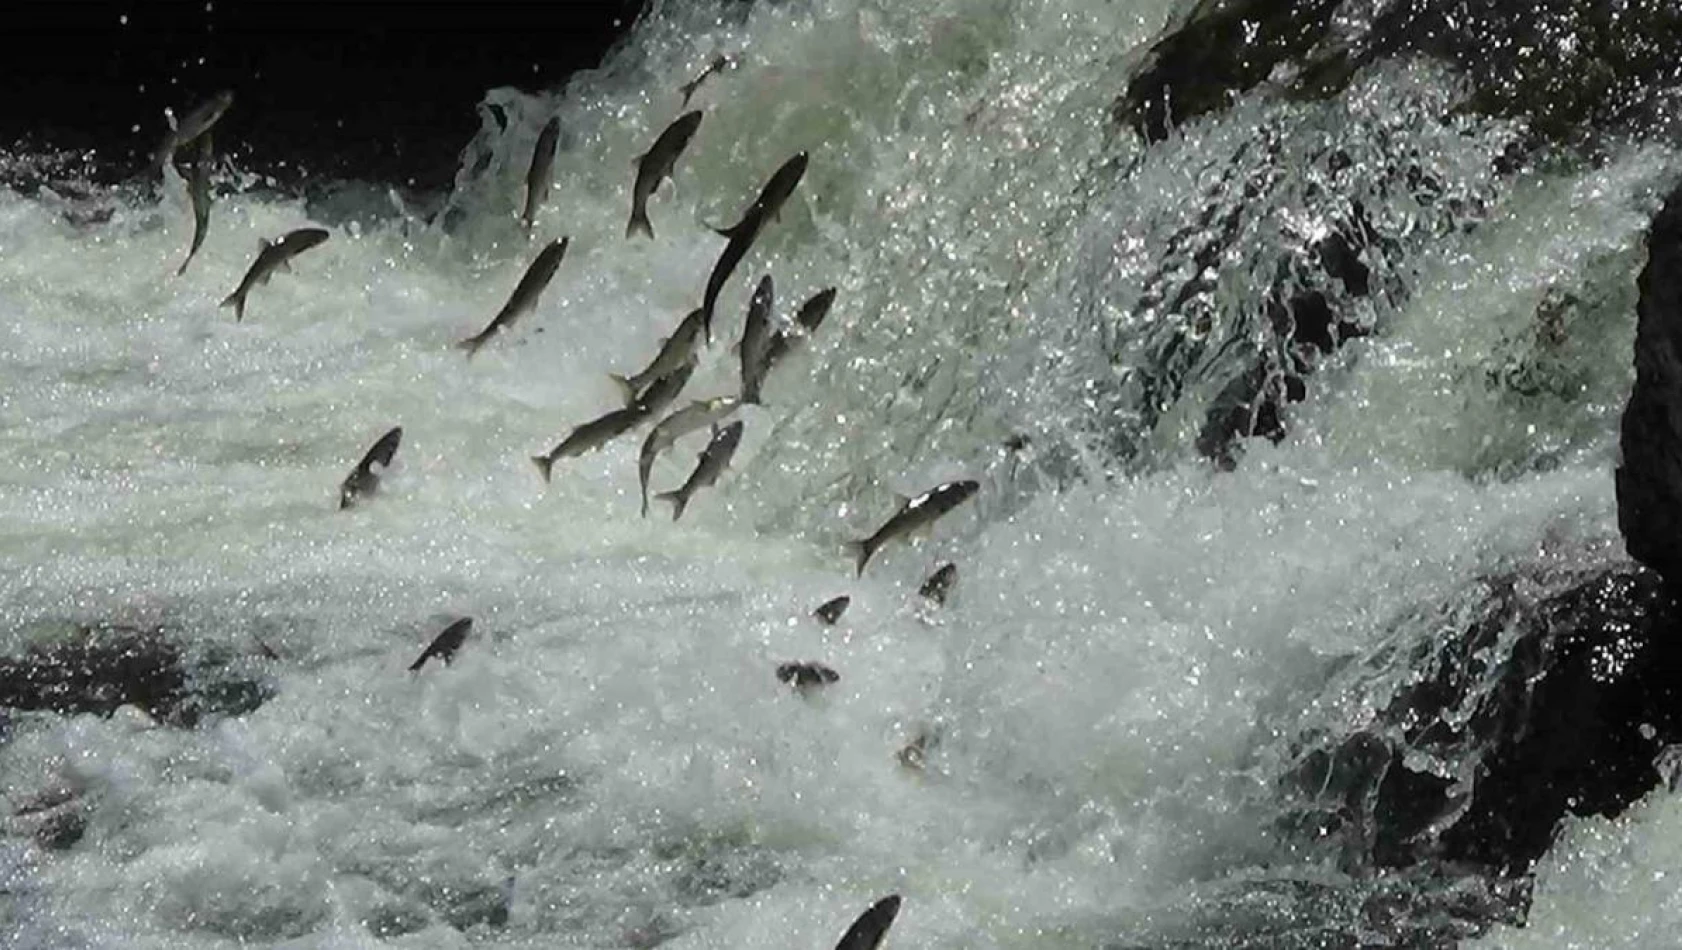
(276, 256)
(655, 166)
(590, 436)
(715, 458)
(696, 415)
(914, 514)
(675, 350)
(445, 645)
(539, 175)
(524, 297)
(742, 234)
(363, 480)
(198, 189)
(193, 125)
(719, 64)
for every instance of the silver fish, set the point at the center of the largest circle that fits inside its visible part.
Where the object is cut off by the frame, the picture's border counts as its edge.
(756, 338)
(664, 390)
(783, 342)
(193, 125)
(538, 176)
(743, 233)
(830, 611)
(939, 585)
(524, 297)
(590, 436)
(913, 514)
(273, 257)
(445, 645)
(719, 64)
(867, 931)
(198, 189)
(714, 459)
(363, 480)
(696, 415)
(655, 166)
(675, 350)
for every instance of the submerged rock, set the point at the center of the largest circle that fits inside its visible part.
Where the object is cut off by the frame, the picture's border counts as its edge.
(99, 668)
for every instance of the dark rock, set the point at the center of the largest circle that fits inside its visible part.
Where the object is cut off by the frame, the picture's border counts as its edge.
(99, 668)
(1649, 475)
(1553, 697)
(61, 830)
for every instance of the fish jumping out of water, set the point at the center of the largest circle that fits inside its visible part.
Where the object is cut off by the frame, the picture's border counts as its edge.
(198, 190)
(939, 584)
(590, 436)
(445, 645)
(867, 931)
(719, 64)
(363, 480)
(806, 676)
(663, 391)
(714, 459)
(784, 342)
(655, 166)
(741, 236)
(276, 256)
(675, 350)
(831, 610)
(193, 125)
(540, 174)
(696, 415)
(913, 515)
(756, 338)
(524, 297)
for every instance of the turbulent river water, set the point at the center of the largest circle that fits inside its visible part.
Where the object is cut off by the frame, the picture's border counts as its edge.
(1109, 696)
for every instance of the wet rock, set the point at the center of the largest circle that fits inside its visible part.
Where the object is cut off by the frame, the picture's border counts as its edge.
(1535, 696)
(99, 668)
(1649, 475)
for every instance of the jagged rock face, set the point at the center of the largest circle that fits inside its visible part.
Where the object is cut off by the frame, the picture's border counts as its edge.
(100, 668)
(1649, 476)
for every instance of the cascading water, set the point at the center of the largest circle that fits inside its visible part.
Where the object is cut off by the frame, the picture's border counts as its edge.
(1127, 710)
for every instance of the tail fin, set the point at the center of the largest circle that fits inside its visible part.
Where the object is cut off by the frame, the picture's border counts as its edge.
(236, 300)
(471, 345)
(860, 552)
(639, 224)
(679, 502)
(425, 655)
(183, 268)
(544, 463)
(625, 387)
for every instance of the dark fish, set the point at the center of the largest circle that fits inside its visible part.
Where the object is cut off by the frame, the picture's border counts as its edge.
(538, 175)
(662, 391)
(675, 350)
(714, 459)
(445, 645)
(804, 676)
(363, 480)
(193, 125)
(831, 610)
(273, 257)
(263, 648)
(696, 415)
(756, 337)
(198, 189)
(783, 342)
(913, 514)
(742, 235)
(655, 166)
(867, 931)
(939, 584)
(524, 298)
(590, 436)
(719, 64)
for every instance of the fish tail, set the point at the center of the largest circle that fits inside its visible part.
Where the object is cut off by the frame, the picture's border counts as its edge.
(236, 300)
(471, 345)
(544, 464)
(860, 551)
(678, 499)
(425, 655)
(639, 224)
(626, 387)
(183, 268)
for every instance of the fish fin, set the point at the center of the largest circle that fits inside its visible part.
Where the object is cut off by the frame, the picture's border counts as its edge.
(639, 224)
(901, 500)
(471, 345)
(729, 232)
(625, 387)
(183, 268)
(679, 502)
(860, 552)
(235, 300)
(426, 654)
(544, 464)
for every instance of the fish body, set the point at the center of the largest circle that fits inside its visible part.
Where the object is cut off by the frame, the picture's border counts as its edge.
(913, 515)
(363, 480)
(756, 338)
(193, 125)
(445, 645)
(806, 676)
(696, 415)
(741, 236)
(655, 166)
(719, 64)
(198, 189)
(783, 342)
(678, 349)
(939, 584)
(867, 931)
(524, 297)
(590, 436)
(830, 611)
(538, 176)
(664, 390)
(273, 257)
(715, 458)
